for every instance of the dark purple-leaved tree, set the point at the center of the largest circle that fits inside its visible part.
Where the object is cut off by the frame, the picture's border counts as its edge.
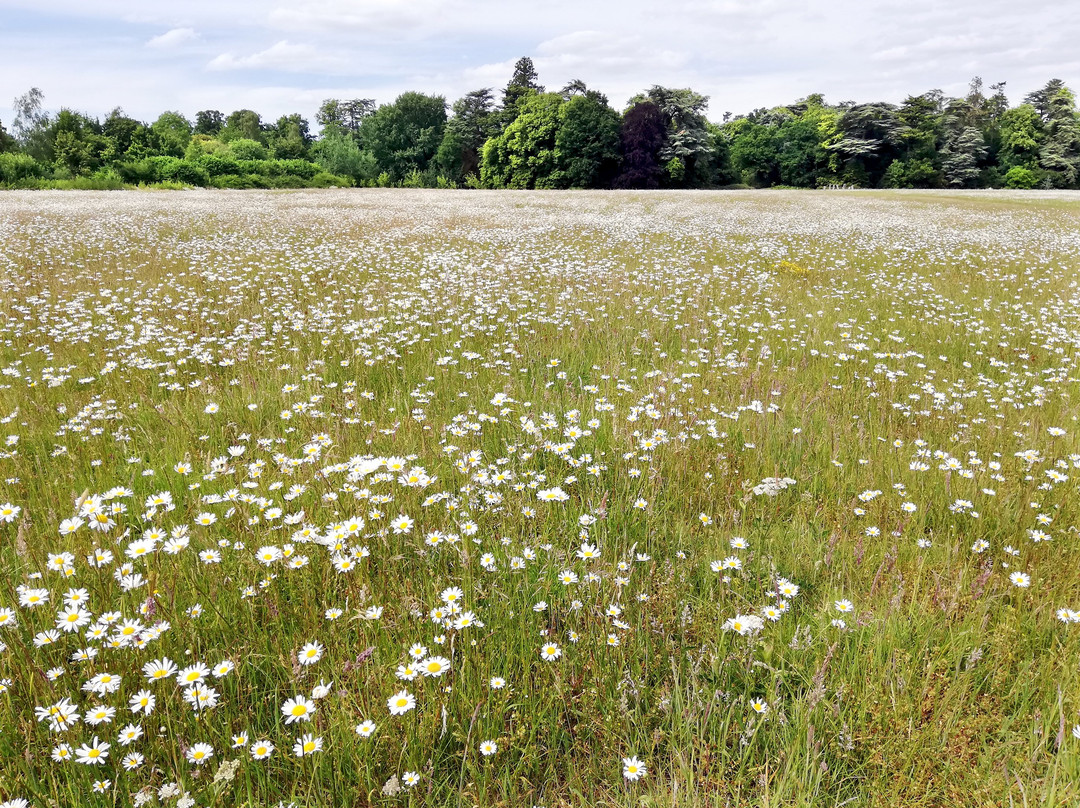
(642, 137)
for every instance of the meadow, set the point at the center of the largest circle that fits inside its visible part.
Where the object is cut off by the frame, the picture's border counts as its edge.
(441, 498)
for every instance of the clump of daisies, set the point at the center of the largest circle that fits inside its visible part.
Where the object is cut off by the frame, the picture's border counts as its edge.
(771, 486)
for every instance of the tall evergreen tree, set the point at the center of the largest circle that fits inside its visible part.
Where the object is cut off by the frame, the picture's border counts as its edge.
(1059, 154)
(473, 122)
(523, 83)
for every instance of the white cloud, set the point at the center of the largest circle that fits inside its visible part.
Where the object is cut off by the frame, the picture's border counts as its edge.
(741, 53)
(172, 38)
(283, 55)
(365, 15)
(605, 54)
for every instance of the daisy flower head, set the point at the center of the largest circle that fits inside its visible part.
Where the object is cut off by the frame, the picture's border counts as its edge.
(633, 769)
(298, 708)
(401, 702)
(307, 744)
(93, 753)
(1020, 579)
(200, 753)
(435, 666)
(310, 654)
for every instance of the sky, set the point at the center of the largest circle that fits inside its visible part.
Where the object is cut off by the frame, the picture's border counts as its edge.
(279, 57)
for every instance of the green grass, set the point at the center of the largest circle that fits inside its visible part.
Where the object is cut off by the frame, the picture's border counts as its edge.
(704, 342)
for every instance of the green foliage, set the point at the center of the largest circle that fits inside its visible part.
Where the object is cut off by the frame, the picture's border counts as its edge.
(414, 179)
(75, 143)
(450, 157)
(1020, 177)
(687, 136)
(587, 142)
(219, 165)
(290, 137)
(121, 131)
(188, 174)
(675, 170)
(524, 155)
(574, 139)
(524, 82)
(201, 145)
(405, 136)
(173, 133)
(16, 168)
(337, 153)
(784, 145)
(239, 181)
(1059, 152)
(869, 138)
(961, 158)
(336, 115)
(7, 142)
(472, 123)
(243, 123)
(753, 153)
(1021, 132)
(324, 179)
(245, 149)
(911, 173)
(921, 117)
(209, 122)
(31, 124)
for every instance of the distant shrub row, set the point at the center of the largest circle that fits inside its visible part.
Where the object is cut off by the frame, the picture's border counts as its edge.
(209, 171)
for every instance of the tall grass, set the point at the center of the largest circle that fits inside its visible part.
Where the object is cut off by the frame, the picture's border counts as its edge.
(290, 363)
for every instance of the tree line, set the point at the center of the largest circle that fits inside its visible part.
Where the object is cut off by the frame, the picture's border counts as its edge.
(526, 137)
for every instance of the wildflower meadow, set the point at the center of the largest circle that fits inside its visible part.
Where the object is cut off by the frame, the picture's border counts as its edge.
(450, 498)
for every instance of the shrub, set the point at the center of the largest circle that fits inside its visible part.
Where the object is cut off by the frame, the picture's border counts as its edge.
(16, 168)
(189, 173)
(325, 179)
(1020, 177)
(263, 168)
(238, 181)
(245, 149)
(414, 179)
(138, 172)
(217, 166)
(298, 168)
(287, 181)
